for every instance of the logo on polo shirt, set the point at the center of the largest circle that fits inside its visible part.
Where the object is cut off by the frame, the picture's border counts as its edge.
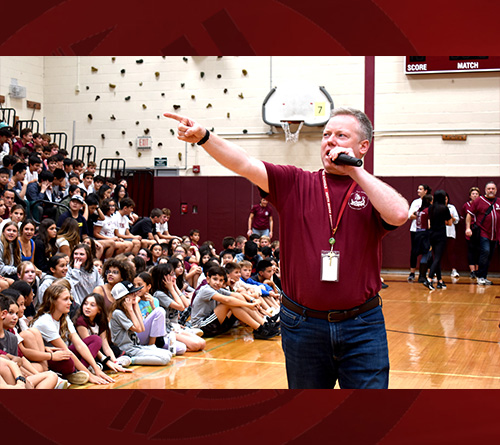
(358, 200)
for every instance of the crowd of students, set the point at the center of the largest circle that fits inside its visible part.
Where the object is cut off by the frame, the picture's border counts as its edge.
(95, 288)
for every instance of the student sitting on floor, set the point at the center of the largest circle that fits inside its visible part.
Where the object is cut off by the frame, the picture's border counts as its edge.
(215, 310)
(126, 322)
(246, 272)
(91, 319)
(249, 292)
(37, 377)
(71, 355)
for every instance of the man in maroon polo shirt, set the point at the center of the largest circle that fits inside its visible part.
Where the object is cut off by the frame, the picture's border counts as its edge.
(260, 220)
(331, 228)
(486, 212)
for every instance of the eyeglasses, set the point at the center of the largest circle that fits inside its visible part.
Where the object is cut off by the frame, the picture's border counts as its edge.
(113, 272)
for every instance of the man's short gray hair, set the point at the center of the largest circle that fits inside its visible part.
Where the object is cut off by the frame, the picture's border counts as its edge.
(365, 125)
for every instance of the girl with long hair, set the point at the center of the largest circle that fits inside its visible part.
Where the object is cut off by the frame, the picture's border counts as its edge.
(3, 208)
(174, 302)
(119, 193)
(26, 271)
(153, 316)
(69, 354)
(82, 274)
(26, 243)
(439, 218)
(91, 318)
(421, 241)
(45, 244)
(17, 215)
(68, 236)
(58, 268)
(10, 254)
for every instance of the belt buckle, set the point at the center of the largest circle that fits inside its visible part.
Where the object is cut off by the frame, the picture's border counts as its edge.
(331, 314)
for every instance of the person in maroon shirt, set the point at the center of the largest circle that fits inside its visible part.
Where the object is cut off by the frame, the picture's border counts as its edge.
(260, 220)
(332, 324)
(26, 140)
(486, 211)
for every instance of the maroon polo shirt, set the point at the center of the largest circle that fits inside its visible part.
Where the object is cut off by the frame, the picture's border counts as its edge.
(489, 227)
(299, 198)
(261, 217)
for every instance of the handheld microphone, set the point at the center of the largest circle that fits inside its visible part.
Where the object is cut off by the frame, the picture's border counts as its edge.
(343, 159)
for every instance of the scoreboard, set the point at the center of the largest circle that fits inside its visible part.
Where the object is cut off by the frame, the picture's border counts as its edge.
(450, 64)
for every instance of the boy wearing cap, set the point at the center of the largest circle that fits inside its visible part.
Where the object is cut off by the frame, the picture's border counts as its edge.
(126, 321)
(75, 206)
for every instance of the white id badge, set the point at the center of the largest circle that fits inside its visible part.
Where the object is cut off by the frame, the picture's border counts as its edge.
(330, 265)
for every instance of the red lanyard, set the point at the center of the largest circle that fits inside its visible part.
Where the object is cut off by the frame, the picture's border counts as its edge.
(329, 205)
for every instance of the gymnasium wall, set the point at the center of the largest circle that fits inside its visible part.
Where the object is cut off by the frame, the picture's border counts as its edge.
(411, 112)
(29, 73)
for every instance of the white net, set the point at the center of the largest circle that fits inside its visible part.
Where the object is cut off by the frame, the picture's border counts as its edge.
(291, 136)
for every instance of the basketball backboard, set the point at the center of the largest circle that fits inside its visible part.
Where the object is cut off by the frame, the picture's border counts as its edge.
(297, 101)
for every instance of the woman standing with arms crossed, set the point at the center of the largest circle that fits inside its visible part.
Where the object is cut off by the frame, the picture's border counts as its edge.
(439, 217)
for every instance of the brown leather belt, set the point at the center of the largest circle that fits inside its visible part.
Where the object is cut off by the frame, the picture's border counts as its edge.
(331, 316)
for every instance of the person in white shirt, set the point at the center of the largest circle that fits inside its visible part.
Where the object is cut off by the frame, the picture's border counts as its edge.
(34, 167)
(105, 229)
(88, 183)
(451, 234)
(121, 220)
(162, 227)
(422, 190)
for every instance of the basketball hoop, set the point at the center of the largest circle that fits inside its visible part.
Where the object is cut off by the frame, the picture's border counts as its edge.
(291, 136)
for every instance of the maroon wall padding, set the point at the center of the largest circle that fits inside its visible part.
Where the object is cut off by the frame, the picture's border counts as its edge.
(224, 204)
(140, 188)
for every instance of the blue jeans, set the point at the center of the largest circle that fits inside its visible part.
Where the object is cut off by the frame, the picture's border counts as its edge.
(318, 352)
(261, 232)
(486, 249)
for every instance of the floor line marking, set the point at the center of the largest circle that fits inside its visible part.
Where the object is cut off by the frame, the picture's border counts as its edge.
(448, 374)
(442, 336)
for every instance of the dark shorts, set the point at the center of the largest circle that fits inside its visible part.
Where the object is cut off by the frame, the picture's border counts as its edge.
(215, 327)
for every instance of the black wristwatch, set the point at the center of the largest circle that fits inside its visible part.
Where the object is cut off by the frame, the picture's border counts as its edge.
(21, 378)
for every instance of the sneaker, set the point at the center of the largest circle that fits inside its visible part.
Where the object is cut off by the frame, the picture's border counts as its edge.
(124, 361)
(428, 285)
(473, 275)
(274, 319)
(484, 281)
(195, 331)
(271, 324)
(264, 333)
(454, 273)
(78, 378)
(411, 277)
(384, 286)
(422, 279)
(171, 343)
(441, 285)
(62, 383)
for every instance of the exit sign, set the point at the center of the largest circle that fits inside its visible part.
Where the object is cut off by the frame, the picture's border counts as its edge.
(144, 142)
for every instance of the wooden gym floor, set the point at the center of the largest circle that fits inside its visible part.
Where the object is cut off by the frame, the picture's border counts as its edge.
(437, 339)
